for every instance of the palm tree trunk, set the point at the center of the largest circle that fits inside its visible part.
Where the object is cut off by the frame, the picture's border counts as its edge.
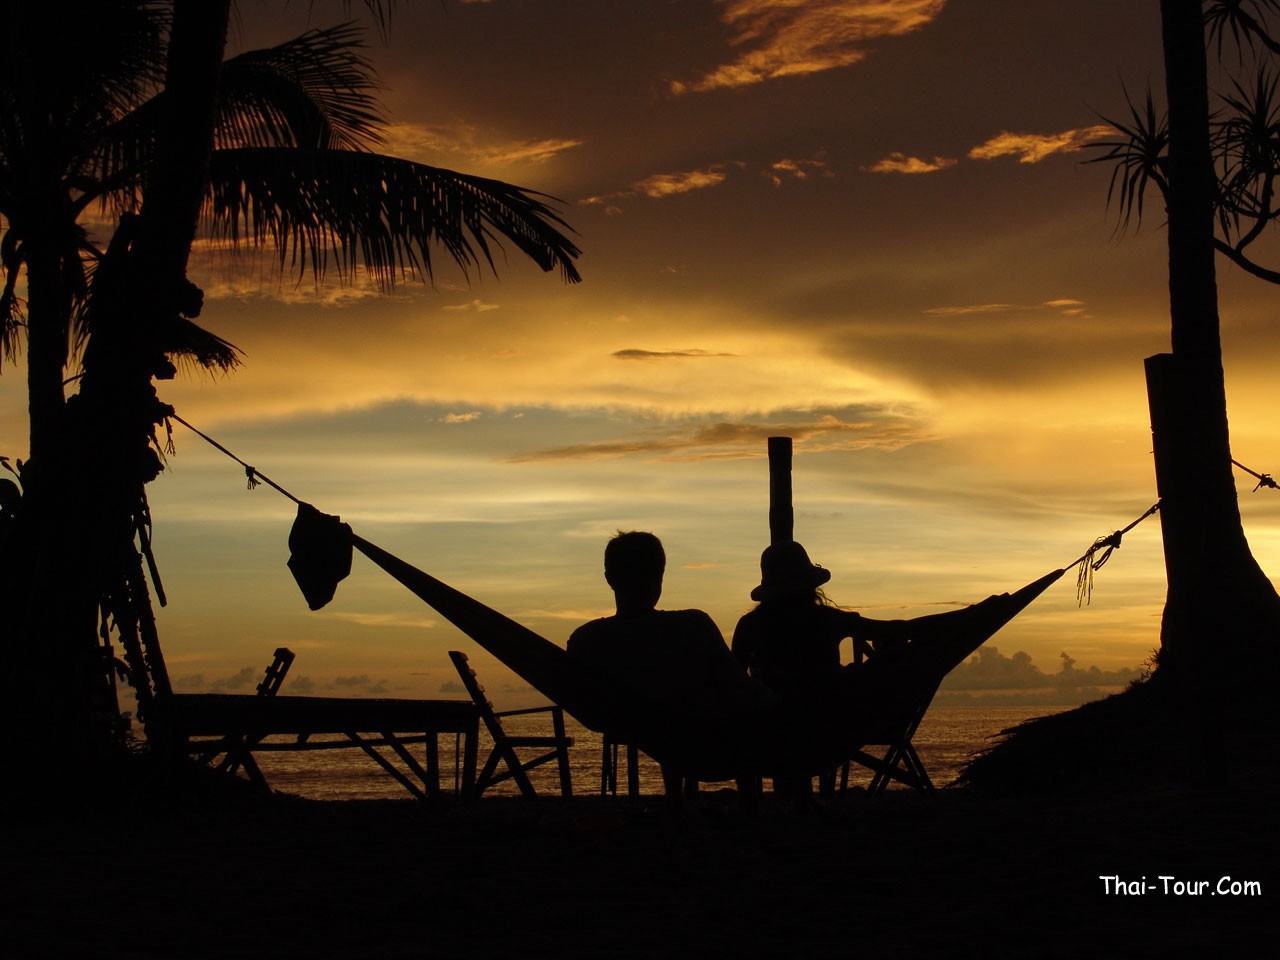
(47, 315)
(1221, 608)
(93, 467)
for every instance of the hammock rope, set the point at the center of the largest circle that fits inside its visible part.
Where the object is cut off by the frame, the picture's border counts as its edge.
(1090, 561)
(1264, 479)
(253, 475)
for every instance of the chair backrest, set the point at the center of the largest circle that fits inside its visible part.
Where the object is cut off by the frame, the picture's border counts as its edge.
(276, 672)
(897, 721)
(474, 689)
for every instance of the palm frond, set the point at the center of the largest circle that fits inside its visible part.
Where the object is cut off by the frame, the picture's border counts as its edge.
(1247, 145)
(337, 209)
(11, 318)
(314, 91)
(186, 340)
(1244, 20)
(61, 88)
(1138, 160)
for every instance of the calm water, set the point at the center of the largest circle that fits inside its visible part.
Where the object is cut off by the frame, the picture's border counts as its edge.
(945, 741)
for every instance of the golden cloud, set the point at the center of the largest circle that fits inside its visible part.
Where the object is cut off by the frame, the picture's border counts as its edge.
(897, 162)
(659, 186)
(384, 620)
(477, 306)
(426, 143)
(740, 441)
(1034, 147)
(1064, 306)
(787, 169)
(785, 38)
(669, 184)
(637, 354)
(968, 310)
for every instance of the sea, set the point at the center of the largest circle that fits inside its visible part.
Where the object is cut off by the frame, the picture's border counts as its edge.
(947, 738)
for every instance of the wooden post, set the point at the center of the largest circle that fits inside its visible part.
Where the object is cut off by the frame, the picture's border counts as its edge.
(781, 515)
(1162, 393)
(1162, 398)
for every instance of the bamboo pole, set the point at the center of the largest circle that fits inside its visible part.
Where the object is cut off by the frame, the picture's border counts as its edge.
(781, 514)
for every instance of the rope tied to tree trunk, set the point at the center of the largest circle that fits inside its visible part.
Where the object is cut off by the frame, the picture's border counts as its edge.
(1090, 562)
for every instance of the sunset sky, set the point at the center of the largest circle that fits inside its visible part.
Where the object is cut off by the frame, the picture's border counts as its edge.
(864, 224)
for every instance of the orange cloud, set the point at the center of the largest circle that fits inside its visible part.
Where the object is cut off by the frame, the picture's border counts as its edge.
(787, 169)
(784, 38)
(659, 186)
(739, 441)
(634, 353)
(669, 184)
(1064, 306)
(901, 163)
(430, 144)
(476, 305)
(1034, 147)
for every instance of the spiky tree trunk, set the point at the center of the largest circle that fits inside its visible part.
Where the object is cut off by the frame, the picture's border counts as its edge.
(1221, 612)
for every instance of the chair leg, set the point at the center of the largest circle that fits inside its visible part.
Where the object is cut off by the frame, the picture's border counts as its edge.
(633, 772)
(673, 787)
(566, 780)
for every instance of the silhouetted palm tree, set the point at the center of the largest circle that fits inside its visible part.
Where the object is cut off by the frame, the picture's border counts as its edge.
(127, 108)
(291, 166)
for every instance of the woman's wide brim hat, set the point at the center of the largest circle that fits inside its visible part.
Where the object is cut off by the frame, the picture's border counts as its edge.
(786, 570)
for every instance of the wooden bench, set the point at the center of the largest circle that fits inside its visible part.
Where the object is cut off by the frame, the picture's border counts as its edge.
(206, 720)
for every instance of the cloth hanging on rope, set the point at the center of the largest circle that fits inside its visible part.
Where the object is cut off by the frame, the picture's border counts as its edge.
(319, 554)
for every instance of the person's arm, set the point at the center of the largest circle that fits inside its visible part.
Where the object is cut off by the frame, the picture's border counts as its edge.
(875, 637)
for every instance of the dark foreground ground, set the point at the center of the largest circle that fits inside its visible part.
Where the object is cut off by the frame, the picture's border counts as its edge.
(900, 876)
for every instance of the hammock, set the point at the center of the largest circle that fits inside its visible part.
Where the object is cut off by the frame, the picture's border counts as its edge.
(801, 737)
(807, 737)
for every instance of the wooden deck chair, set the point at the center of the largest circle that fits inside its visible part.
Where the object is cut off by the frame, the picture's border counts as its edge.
(505, 745)
(894, 733)
(675, 785)
(237, 747)
(900, 761)
(609, 768)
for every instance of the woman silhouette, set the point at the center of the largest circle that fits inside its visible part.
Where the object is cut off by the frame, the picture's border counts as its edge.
(791, 640)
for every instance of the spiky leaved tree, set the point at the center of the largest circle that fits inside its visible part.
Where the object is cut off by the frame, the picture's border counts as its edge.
(129, 108)
(1214, 166)
(1214, 161)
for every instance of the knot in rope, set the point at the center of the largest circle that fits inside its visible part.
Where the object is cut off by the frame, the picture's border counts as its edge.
(251, 477)
(1264, 479)
(1098, 554)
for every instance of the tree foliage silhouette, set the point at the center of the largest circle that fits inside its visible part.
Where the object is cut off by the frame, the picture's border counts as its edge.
(1206, 713)
(1214, 161)
(127, 110)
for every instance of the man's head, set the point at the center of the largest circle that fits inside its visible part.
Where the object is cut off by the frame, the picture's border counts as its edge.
(634, 563)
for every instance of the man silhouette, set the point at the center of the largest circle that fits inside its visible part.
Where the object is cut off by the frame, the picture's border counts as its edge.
(668, 672)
